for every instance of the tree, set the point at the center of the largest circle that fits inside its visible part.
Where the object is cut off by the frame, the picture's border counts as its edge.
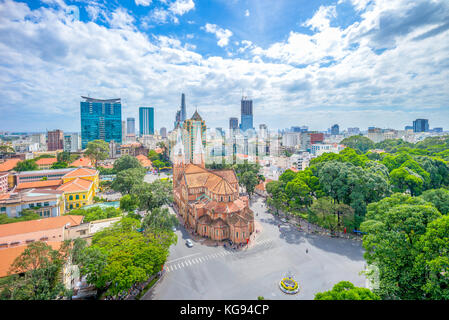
(403, 179)
(41, 268)
(160, 219)
(153, 195)
(127, 179)
(96, 213)
(249, 181)
(126, 162)
(345, 290)
(59, 165)
(26, 165)
(330, 215)
(439, 198)
(97, 150)
(277, 197)
(394, 226)
(121, 257)
(129, 203)
(434, 259)
(360, 143)
(299, 193)
(158, 164)
(63, 157)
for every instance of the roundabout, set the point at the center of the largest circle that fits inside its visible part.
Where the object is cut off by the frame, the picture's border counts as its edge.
(289, 285)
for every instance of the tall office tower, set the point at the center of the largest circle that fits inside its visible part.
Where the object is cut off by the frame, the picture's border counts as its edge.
(421, 125)
(190, 127)
(163, 132)
(130, 126)
(183, 108)
(295, 129)
(178, 119)
(55, 140)
(263, 130)
(146, 121)
(353, 131)
(101, 119)
(408, 128)
(233, 124)
(72, 142)
(335, 130)
(123, 131)
(246, 114)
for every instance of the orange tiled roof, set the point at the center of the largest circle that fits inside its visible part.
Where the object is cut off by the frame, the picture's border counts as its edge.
(5, 196)
(144, 161)
(9, 164)
(81, 162)
(46, 161)
(38, 225)
(39, 184)
(8, 255)
(80, 172)
(158, 150)
(106, 166)
(77, 185)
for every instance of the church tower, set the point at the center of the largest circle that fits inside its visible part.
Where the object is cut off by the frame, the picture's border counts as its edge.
(198, 151)
(179, 160)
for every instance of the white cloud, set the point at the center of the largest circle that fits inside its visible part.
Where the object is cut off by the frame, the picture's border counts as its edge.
(144, 3)
(321, 19)
(51, 60)
(222, 35)
(176, 8)
(181, 7)
(247, 13)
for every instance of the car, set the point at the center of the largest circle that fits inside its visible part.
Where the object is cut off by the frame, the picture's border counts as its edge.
(189, 243)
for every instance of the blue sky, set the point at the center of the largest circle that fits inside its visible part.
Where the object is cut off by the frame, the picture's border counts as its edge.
(352, 62)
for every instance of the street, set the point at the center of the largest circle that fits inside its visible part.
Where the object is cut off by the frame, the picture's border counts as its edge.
(208, 272)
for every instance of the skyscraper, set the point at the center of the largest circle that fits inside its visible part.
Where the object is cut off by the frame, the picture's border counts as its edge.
(163, 132)
(101, 119)
(178, 119)
(123, 131)
(130, 126)
(183, 107)
(233, 124)
(335, 130)
(191, 127)
(246, 114)
(421, 125)
(55, 140)
(146, 121)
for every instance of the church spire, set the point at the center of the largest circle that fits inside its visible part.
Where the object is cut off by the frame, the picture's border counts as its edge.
(198, 151)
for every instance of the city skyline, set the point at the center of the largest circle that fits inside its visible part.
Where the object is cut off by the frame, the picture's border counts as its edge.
(321, 63)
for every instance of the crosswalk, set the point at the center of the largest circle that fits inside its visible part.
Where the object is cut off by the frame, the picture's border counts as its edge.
(179, 264)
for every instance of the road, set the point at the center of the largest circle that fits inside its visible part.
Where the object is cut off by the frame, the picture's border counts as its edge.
(204, 272)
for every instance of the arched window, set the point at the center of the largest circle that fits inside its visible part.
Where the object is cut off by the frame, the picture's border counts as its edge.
(237, 235)
(70, 197)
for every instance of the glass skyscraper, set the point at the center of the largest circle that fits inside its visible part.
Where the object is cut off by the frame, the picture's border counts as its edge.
(101, 119)
(246, 115)
(130, 126)
(146, 121)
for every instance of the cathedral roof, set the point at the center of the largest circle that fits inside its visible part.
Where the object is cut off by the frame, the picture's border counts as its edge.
(196, 116)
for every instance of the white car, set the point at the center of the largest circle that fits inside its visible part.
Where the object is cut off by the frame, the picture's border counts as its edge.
(189, 243)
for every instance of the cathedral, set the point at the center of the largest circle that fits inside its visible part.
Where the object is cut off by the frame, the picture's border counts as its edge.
(209, 200)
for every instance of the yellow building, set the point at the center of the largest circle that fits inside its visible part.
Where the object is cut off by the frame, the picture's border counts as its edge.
(80, 187)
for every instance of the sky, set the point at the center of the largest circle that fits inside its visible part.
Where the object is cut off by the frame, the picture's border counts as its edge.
(357, 63)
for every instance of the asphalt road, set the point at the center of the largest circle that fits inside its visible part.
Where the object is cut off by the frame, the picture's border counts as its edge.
(204, 272)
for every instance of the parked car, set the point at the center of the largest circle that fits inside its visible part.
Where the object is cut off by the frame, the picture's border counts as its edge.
(189, 243)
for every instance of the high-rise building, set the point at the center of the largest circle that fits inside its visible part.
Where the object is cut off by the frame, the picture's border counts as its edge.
(246, 121)
(190, 127)
(178, 119)
(353, 131)
(421, 125)
(55, 140)
(123, 131)
(233, 124)
(101, 119)
(183, 107)
(72, 142)
(408, 128)
(295, 129)
(130, 126)
(146, 121)
(335, 130)
(163, 132)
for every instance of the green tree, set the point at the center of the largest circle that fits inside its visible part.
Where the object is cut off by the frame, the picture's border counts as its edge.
(64, 157)
(96, 213)
(59, 165)
(434, 259)
(129, 203)
(332, 216)
(394, 226)
(404, 179)
(126, 162)
(153, 195)
(250, 180)
(359, 143)
(97, 150)
(160, 218)
(345, 290)
(26, 165)
(439, 198)
(41, 268)
(127, 179)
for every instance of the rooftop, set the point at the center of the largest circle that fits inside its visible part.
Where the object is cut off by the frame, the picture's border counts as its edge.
(88, 99)
(9, 164)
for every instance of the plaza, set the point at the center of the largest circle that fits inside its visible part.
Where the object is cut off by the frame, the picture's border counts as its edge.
(210, 272)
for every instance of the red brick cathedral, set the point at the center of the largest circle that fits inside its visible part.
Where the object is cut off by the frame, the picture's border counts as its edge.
(209, 200)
